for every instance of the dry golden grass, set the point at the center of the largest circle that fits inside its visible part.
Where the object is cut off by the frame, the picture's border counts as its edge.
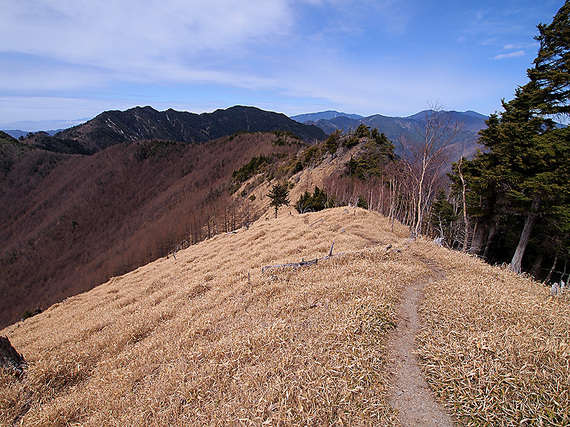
(496, 346)
(207, 339)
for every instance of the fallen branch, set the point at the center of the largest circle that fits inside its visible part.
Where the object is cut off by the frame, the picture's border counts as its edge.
(300, 264)
(310, 225)
(292, 264)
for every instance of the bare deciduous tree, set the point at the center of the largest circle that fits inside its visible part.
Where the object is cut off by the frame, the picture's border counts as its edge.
(426, 158)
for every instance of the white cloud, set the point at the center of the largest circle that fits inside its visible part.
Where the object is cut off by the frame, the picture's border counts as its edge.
(117, 34)
(520, 46)
(510, 55)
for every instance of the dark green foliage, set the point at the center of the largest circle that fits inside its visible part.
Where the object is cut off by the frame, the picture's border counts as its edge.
(331, 144)
(362, 203)
(318, 201)
(377, 153)
(298, 167)
(350, 142)
(362, 131)
(311, 155)
(27, 314)
(279, 195)
(551, 72)
(254, 166)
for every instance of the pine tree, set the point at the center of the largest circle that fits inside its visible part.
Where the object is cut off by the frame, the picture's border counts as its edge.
(279, 195)
(523, 171)
(551, 71)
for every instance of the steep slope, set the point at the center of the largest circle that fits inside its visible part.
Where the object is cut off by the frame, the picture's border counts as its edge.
(208, 338)
(140, 123)
(11, 151)
(69, 222)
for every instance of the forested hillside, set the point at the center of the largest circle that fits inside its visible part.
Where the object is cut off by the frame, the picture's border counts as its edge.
(144, 123)
(69, 222)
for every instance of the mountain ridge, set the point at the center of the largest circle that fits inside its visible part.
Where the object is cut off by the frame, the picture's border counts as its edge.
(411, 128)
(209, 337)
(328, 114)
(142, 123)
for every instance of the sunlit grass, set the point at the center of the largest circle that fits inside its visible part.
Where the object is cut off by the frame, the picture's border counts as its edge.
(207, 339)
(496, 346)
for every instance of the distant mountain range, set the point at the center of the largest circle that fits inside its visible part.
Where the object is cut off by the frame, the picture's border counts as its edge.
(17, 133)
(323, 115)
(408, 127)
(144, 123)
(471, 120)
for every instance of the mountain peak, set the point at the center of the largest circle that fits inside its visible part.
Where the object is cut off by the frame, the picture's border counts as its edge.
(141, 123)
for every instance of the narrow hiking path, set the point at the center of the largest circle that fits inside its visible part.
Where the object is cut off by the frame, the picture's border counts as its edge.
(409, 392)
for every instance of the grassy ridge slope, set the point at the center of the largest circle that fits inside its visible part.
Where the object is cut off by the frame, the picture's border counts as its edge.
(208, 339)
(496, 346)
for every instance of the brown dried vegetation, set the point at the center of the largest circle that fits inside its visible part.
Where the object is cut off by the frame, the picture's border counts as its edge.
(496, 346)
(207, 339)
(70, 222)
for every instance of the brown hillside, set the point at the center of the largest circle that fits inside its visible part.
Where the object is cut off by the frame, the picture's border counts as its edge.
(69, 222)
(209, 339)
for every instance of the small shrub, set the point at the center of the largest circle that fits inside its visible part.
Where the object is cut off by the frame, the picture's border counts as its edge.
(314, 203)
(362, 203)
(310, 155)
(351, 142)
(27, 314)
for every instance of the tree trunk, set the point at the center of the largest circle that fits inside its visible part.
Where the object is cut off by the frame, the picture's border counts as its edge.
(537, 266)
(547, 280)
(10, 358)
(490, 237)
(479, 231)
(525, 235)
(465, 220)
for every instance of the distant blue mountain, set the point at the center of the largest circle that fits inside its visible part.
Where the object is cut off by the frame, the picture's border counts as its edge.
(323, 115)
(397, 127)
(17, 133)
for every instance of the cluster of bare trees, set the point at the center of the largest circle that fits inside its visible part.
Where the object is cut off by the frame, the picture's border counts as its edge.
(406, 186)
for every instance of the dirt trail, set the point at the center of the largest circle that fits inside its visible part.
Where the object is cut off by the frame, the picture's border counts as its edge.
(410, 393)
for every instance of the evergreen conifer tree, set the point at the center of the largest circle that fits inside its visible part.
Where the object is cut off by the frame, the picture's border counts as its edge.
(279, 195)
(523, 170)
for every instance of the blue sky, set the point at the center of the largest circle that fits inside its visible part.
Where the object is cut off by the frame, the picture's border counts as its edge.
(72, 59)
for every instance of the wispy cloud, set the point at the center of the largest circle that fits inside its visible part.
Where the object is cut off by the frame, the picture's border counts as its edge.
(520, 46)
(510, 55)
(115, 34)
(370, 56)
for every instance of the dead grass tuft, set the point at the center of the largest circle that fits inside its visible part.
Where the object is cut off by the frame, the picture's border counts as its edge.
(495, 346)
